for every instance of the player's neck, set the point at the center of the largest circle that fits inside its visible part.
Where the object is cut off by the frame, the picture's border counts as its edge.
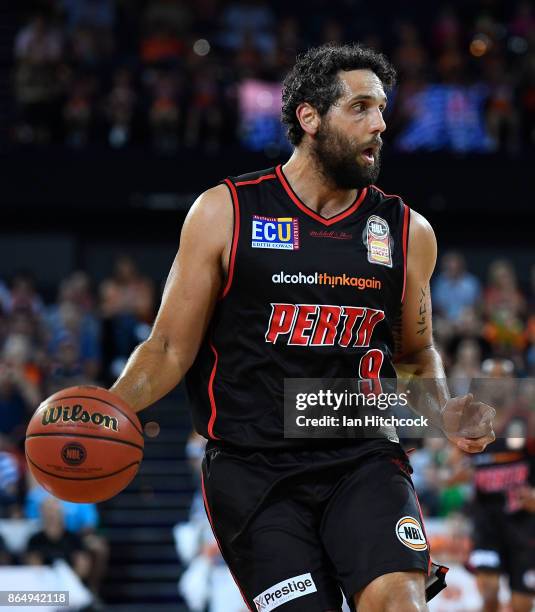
(313, 188)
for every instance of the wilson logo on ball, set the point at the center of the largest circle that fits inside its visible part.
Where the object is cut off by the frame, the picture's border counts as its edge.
(66, 414)
(73, 453)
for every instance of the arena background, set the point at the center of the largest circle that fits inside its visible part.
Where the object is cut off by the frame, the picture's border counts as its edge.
(116, 114)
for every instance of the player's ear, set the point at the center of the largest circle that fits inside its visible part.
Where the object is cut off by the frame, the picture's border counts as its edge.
(308, 117)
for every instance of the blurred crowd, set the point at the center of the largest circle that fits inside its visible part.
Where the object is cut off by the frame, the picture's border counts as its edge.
(165, 73)
(476, 326)
(83, 337)
(474, 321)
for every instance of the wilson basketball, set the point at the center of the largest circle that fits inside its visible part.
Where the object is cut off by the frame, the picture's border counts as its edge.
(84, 444)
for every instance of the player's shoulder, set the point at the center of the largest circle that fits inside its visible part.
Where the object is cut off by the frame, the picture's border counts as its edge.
(211, 208)
(217, 202)
(389, 205)
(212, 198)
(209, 220)
(380, 196)
(257, 177)
(422, 239)
(418, 223)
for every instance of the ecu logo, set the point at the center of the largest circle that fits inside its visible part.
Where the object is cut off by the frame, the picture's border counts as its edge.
(275, 233)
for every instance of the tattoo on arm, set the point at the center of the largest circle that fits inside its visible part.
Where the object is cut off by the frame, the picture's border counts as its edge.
(421, 321)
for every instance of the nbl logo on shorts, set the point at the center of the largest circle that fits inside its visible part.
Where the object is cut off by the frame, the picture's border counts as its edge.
(275, 233)
(410, 533)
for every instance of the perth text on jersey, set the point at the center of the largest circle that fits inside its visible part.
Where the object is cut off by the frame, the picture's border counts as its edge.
(322, 324)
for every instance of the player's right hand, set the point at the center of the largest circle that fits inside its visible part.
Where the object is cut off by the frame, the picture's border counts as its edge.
(468, 423)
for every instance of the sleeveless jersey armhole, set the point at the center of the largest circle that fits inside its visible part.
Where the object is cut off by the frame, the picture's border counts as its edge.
(235, 236)
(405, 238)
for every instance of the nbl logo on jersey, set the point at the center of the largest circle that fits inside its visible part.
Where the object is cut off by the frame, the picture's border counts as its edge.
(275, 233)
(376, 237)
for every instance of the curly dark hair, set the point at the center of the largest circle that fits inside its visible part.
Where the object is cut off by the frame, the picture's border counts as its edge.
(314, 79)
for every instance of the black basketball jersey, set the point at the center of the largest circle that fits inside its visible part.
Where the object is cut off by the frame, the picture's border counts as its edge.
(306, 297)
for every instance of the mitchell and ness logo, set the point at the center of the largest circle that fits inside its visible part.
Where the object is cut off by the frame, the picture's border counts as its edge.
(322, 278)
(332, 235)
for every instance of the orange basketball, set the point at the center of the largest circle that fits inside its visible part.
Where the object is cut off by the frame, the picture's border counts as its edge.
(84, 444)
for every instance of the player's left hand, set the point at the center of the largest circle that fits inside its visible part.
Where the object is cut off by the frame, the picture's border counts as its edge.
(468, 423)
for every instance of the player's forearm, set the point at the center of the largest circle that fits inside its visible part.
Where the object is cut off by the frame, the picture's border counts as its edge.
(425, 363)
(428, 385)
(153, 370)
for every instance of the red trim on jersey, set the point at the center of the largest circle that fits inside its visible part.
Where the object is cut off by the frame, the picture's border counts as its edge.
(387, 195)
(235, 236)
(406, 216)
(311, 213)
(256, 181)
(208, 513)
(425, 534)
(213, 415)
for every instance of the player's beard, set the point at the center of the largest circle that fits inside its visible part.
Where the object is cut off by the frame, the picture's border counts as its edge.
(338, 158)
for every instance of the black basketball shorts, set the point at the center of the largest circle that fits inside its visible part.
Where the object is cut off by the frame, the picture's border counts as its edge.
(505, 544)
(299, 528)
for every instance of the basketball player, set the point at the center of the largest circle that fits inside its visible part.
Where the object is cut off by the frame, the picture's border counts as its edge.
(305, 270)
